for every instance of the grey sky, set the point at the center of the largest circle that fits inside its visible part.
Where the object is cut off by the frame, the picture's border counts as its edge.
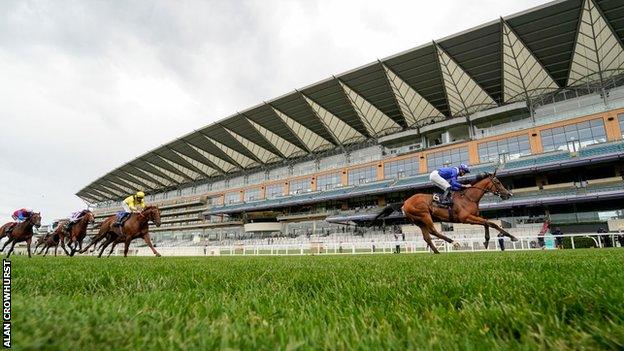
(88, 85)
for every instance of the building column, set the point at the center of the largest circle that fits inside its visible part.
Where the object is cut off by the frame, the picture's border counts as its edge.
(422, 163)
(380, 171)
(473, 153)
(612, 126)
(535, 141)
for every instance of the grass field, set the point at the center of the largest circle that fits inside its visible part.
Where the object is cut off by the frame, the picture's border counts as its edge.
(515, 300)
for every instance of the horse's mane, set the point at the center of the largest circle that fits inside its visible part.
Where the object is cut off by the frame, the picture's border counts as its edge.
(481, 176)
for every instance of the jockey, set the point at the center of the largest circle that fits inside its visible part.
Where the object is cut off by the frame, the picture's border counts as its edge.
(445, 178)
(75, 217)
(21, 215)
(132, 203)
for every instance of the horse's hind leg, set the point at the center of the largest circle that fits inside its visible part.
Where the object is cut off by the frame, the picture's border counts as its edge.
(11, 249)
(106, 243)
(486, 243)
(427, 238)
(432, 229)
(112, 249)
(28, 242)
(7, 243)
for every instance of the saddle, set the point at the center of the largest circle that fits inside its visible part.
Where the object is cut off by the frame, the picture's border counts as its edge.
(437, 201)
(10, 228)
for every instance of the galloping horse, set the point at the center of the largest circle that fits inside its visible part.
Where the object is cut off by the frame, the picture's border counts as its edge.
(421, 210)
(21, 232)
(136, 226)
(77, 233)
(48, 241)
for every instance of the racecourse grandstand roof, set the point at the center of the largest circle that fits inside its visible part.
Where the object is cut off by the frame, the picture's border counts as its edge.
(515, 58)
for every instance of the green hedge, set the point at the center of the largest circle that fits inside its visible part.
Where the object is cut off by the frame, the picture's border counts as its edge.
(579, 242)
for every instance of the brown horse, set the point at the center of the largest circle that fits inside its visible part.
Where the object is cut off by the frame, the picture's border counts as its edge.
(77, 233)
(137, 226)
(421, 210)
(48, 241)
(21, 232)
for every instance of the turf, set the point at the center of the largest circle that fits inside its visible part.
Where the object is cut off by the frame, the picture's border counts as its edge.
(513, 300)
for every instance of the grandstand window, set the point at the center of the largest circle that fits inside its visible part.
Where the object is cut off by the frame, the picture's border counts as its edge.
(252, 194)
(298, 186)
(256, 178)
(505, 149)
(304, 168)
(574, 136)
(445, 158)
(274, 190)
(621, 117)
(368, 154)
(235, 182)
(329, 181)
(217, 185)
(278, 173)
(362, 175)
(332, 162)
(232, 197)
(401, 168)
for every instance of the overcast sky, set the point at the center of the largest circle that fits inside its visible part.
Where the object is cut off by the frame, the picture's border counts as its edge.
(88, 85)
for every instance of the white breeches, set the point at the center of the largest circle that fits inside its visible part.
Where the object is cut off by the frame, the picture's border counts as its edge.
(439, 181)
(126, 207)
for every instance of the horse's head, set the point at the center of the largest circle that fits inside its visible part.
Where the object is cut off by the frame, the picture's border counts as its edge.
(35, 219)
(89, 217)
(152, 213)
(494, 185)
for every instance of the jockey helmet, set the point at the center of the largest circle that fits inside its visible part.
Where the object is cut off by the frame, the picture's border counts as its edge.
(140, 194)
(464, 167)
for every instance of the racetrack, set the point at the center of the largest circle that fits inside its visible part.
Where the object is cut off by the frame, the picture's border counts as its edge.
(530, 300)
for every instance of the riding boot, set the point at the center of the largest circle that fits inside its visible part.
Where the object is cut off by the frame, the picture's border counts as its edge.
(447, 197)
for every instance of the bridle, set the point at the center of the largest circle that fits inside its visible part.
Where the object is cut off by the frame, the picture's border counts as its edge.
(496, 192)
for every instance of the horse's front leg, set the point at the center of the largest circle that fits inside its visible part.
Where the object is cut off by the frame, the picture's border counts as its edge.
(487, 236)
(474, 219)
(148, 241)
(28, 242)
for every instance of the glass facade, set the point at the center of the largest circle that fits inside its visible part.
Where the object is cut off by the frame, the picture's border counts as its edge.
(274, 190)
(574, 136)
(452, 157)
(329, 181)
(256, 178)
(504, 149)
(362, 175)
(402, 168)
(299, 186)
(333, 162)
(252, 194)
(232, 197)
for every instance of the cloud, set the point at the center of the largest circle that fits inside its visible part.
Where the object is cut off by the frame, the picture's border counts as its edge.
(89, 85)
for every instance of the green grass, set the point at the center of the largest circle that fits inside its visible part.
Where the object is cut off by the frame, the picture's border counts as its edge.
(512, 300)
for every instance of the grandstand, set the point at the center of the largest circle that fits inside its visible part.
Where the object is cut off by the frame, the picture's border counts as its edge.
(541, 92)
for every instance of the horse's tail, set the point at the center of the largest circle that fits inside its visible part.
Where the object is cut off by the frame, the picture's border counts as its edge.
(386, 211)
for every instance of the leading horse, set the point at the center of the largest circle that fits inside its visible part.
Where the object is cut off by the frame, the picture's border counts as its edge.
(137, 226)
(21, 232)
(422, 210)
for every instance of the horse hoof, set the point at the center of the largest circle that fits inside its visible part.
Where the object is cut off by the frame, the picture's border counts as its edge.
(456, 245)
(158, 255)
(513, 238)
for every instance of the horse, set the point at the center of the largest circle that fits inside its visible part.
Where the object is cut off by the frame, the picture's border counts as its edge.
(48, 241)
(77, 233)
(137, 226)
(421, 210)
(21, 232)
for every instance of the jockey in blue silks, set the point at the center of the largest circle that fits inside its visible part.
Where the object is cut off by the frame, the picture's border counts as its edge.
(445, 178)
